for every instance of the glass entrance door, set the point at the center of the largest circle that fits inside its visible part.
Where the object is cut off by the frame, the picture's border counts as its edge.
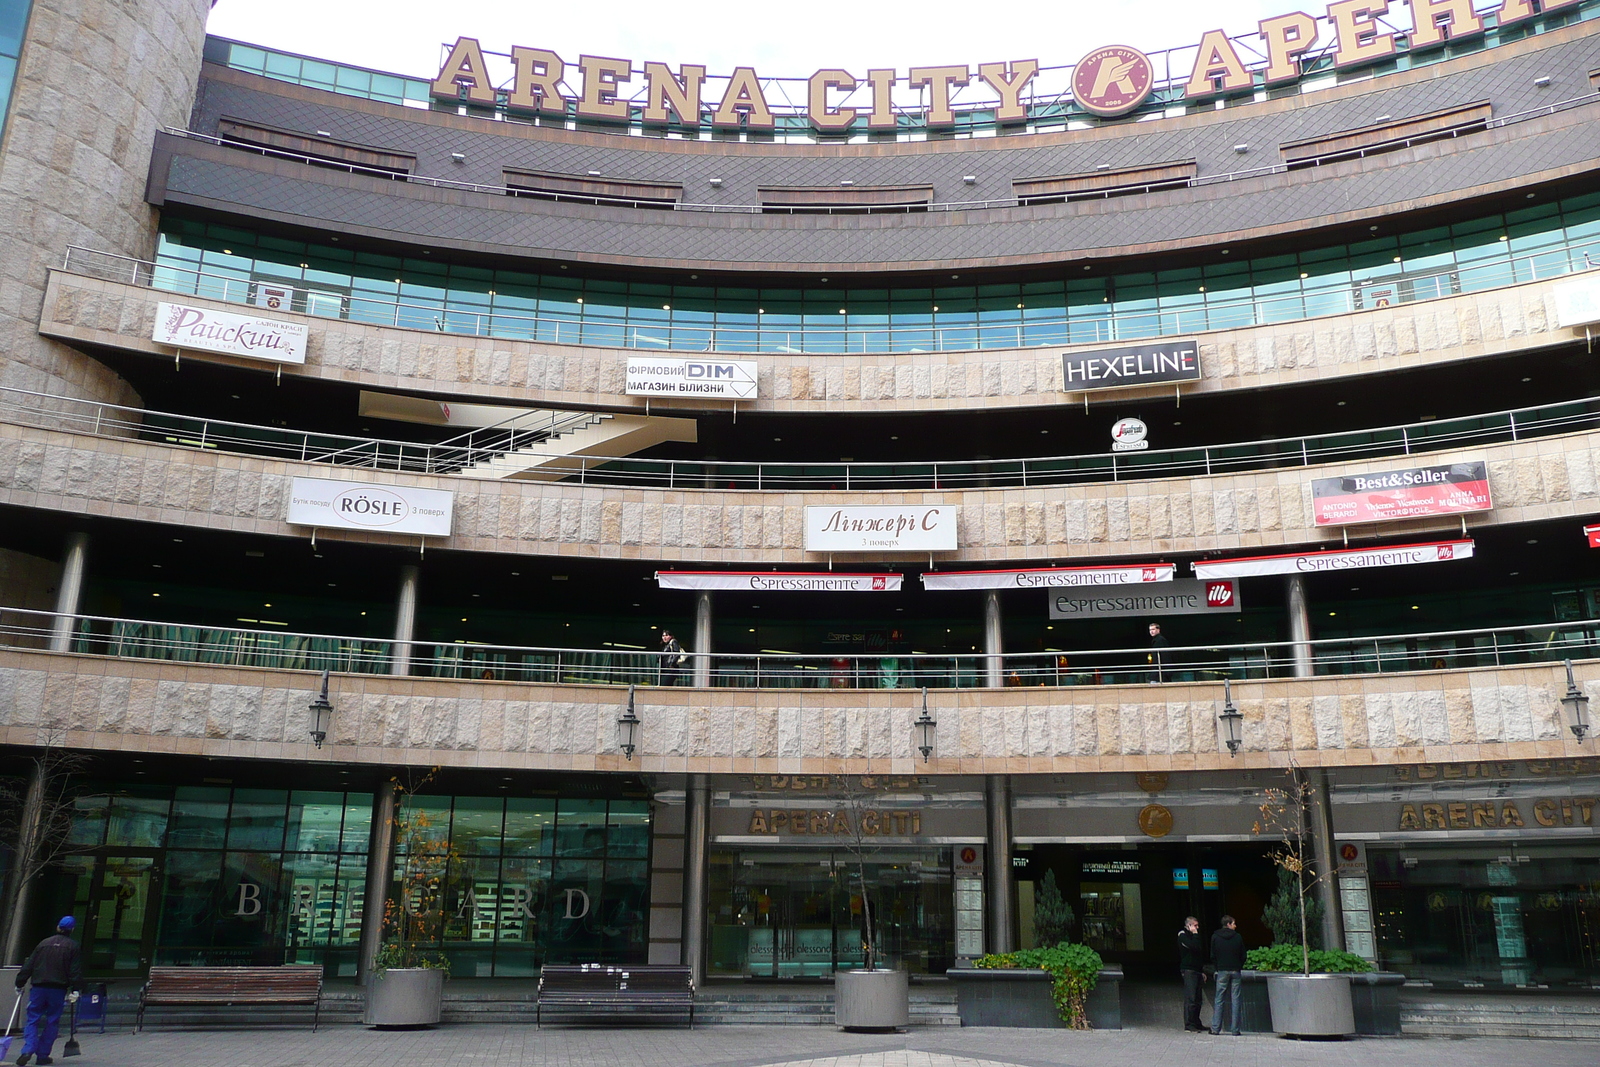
(112, 902)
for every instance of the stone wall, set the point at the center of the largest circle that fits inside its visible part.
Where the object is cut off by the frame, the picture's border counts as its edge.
(1531, 480)
(96, 80)
(1516, 318)
(131, 705)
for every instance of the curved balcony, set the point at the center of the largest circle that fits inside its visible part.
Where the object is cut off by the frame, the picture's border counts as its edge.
(469, 453)
(121, 314)
(1532, 480)
(92, 702)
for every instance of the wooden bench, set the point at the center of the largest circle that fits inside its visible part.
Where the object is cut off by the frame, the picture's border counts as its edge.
(598, 989)
(228, 986)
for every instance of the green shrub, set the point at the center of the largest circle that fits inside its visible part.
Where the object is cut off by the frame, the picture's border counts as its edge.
(1052, 915)
(1282, 913)
(1287, 959)
(1076, 969)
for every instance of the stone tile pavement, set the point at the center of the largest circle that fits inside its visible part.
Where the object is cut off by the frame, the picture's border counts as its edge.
(788, 1046)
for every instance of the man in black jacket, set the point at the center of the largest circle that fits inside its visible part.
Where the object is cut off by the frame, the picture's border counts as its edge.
(1227, 952)
(1191, 964)
(55, 972)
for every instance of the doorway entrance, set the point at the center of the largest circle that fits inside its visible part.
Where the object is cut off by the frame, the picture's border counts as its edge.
(113, 897)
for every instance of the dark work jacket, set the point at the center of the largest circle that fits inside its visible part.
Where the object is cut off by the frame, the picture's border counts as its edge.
(1191, 953)
(1227, 950)
(53, 965)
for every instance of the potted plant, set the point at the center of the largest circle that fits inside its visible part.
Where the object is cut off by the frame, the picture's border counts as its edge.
(1304, 1002)
(407, 985)
(871, 997)
(1064, 985)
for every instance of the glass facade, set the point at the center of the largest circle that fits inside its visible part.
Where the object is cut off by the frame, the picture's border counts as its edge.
(795, 913)
(1540, 241)
(13, 27)
(217, 875)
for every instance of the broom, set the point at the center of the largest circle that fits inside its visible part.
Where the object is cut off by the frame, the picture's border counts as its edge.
(5, 1041)
(71, 1047)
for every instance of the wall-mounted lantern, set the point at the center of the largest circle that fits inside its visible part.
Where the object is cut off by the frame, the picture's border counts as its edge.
(1576, 705)
(1232, 722)
(628, 728)
(321, 714)
(926, 725)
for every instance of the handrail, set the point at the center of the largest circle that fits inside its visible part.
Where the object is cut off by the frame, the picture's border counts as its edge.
(117, 422)
(939, 336)
(121, 638)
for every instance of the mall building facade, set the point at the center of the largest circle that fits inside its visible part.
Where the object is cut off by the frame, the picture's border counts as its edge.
(361, 432)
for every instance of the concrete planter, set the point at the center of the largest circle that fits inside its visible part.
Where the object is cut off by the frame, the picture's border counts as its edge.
(1311, 1005)
(1021, 997)
(1374, 999)
(405, 997)
(871, 1000)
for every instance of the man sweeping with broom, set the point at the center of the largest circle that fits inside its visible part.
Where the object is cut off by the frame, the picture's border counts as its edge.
(56, 974)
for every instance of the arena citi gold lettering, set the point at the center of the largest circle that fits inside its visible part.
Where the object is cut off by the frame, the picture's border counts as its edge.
(1497, 814)
(897, 822)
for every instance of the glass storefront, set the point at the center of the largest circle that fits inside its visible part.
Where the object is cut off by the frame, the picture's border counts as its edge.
(797, 913)
(1490, 913)
(221, 875)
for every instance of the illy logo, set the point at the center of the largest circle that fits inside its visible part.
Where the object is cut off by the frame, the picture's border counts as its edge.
(879, 582)
(1147, 574)
(1219, 594)
(1447, 551)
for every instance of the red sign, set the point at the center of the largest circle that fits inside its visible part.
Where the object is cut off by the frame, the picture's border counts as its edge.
(1219, 594)
(1112, 81)
(1387, 496)
(1593, 534)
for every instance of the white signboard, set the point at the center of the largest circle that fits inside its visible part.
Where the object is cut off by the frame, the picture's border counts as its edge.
(779, 582)
(1128, 435)
(1052, 577)
(1183, 597)
(183, 326)
(1578, 302)
(383, 508)
(1351, 559)
(729, 379)
(881, 529)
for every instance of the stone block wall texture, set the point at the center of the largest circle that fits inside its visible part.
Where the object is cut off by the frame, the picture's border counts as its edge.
(1516, 318)
(129, 705)
(1269, 510)
(96, 80)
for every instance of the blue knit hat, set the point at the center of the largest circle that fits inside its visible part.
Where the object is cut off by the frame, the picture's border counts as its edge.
(67, 922)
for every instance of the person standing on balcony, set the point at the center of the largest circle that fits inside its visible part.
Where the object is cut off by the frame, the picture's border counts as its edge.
(1158, 644)
(673, 659)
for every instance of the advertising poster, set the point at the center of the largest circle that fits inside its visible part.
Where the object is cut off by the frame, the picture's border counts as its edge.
(1387, 496)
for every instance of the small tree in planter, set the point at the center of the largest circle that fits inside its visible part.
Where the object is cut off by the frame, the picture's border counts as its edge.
(1052, 915)
(410, 969)
(1291, 916)
(872, 998)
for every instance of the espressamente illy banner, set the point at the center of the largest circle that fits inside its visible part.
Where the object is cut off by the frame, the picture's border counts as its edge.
(1051, 577)
(1384, 496)
(1186, 596)
(780, 581)
(1338, 560)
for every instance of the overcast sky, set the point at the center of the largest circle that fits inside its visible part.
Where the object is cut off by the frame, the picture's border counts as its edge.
(404, 36)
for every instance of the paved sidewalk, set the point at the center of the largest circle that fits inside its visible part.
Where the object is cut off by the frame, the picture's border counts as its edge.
(792, 1046)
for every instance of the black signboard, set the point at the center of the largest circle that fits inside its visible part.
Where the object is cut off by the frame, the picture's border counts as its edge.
(1118, 368)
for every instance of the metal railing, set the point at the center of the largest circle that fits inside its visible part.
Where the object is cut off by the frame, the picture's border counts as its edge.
(113, 421)
(284, 650)
(1090, 324)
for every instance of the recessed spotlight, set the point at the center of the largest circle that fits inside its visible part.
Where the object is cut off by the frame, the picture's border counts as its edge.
(1527, 379)
(1331, 614)
(1416, 607)
(777, 438)
(1341, 403)
(894, 437)
(1533, 540)
(1303, 274)
(155, 594)
(1177, 422)
(953, 277)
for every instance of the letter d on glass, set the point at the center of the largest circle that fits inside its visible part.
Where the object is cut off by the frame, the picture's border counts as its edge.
(571, 893)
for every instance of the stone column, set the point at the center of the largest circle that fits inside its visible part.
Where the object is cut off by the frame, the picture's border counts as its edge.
(26, 846)
(380, 867)
(999, 892)
(696, 873)
(69, 592)
(405, 621)
(994, 664)
(702, 639)
(1320, 813)
(1299, 624)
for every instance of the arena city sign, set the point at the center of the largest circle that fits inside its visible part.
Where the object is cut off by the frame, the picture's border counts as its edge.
(1107, 81)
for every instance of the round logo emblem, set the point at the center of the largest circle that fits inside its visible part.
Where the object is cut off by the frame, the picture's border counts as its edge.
(969, 855)
(1155, 820)
(1151, 781)
(1348, 853)
(1128, 431)
(370, 507)
(1112, 81)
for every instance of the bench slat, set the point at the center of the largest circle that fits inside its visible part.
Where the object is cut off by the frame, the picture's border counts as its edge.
(225, 986)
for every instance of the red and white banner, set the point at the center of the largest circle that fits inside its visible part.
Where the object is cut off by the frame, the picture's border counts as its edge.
(1343, 560)
(1593, 534)
(1385, 496)
(1052, 577)
(780, 581)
